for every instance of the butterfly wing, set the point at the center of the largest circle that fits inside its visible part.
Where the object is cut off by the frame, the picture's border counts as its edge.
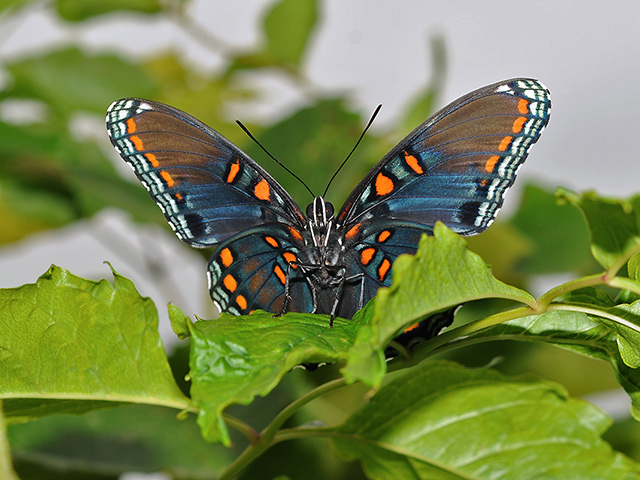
(251, 271)
(457, 166)
(207, 188)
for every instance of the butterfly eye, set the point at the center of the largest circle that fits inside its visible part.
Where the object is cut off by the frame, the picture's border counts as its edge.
(328, 209)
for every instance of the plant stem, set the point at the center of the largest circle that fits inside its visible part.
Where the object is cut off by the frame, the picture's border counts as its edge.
(267, 437)
(589, 281)
(247, 430)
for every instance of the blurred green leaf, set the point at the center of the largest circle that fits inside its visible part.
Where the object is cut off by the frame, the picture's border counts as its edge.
(71, 344)
(556, 232)
(78, 10)
(5, 4)
(442, 421)
(442, 274)
(233, 359)
(288, 27)
(505, 248)
(49, 179)
(69, 80)
(614, 225)
(118, 440)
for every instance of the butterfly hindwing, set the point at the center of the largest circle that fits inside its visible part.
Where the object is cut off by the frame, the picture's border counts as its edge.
(208, 189)
(251, 270)
(457, 166)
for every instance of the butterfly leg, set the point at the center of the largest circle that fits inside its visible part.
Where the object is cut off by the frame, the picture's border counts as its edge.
(359, 277)
(287, 287)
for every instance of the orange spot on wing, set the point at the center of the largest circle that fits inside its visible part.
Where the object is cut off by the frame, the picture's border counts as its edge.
(262, 190)
(383, 269)
(523, 106)
(272, 241)
(384, 235)
(411, 327)
(491, 163)
(504, 144)
(131, 126)
(178, 196)
(137, 143)
(413, 163)
(295, 234)
(280, 274)
(290, 258)
(152, 159)
(167, 178)
(226, 257)
(366, 255)
(242, 302)
(233, 171)
(518, 124)
(230, 283)
(353, 231)
(384, 185)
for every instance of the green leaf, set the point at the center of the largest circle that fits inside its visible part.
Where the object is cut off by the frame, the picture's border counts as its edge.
(68, 345)
(69, 80)
(6, 469)
(78, 10)
(233, 359)
(15, 4)
(288, 26)
(179, 322)
(592, 335)
(614, 226)
(556, 232)
(49, 179)
(442, 421)
(119, 440)
(442, 274)
(633, 267)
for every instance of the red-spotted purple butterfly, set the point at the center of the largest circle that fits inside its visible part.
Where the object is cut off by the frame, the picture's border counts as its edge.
(456, 167)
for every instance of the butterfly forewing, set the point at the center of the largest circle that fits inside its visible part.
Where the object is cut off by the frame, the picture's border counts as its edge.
(208, 189)
(457, 166)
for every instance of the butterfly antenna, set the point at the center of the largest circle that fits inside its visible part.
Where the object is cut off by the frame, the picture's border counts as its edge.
(246, 130)
(375, 114)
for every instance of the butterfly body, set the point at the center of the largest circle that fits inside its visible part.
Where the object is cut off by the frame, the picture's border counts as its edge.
(455, 168)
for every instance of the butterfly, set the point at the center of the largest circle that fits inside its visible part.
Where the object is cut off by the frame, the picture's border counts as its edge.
(455, 167)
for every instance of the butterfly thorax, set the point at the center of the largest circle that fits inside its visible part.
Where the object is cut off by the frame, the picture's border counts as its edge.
(323, 250)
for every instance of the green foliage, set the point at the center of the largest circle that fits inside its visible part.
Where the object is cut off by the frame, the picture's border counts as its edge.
(75, 11)
(51, 361)
(71, 346)
(469, 422)
(233, 360)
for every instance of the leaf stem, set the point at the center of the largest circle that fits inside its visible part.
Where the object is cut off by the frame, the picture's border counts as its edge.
(267, 437)
(589, 281)
(247, 430)
(427, 348)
